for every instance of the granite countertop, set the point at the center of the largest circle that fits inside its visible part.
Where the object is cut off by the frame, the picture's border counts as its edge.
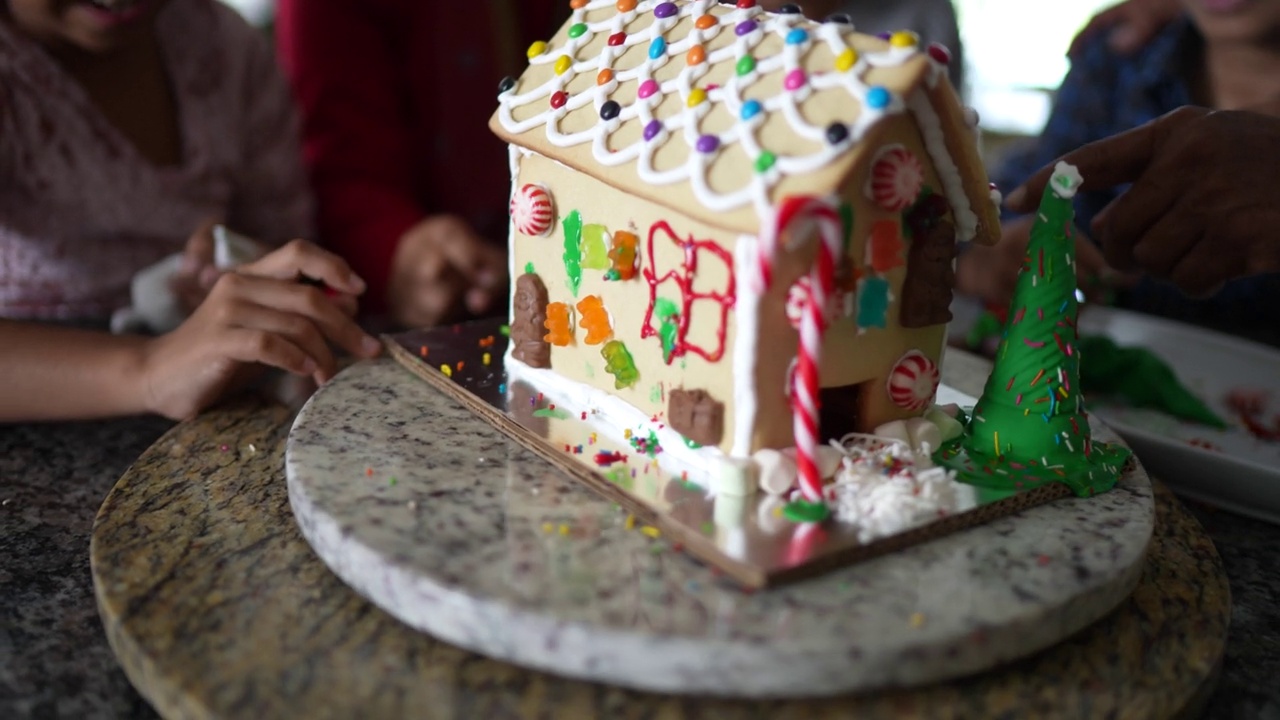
(55, 660)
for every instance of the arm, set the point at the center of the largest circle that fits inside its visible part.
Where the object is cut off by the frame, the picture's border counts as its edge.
(55, 373)
(272, 199)
(356, 134)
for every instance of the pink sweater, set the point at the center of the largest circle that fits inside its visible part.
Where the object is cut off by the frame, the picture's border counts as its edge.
(81, 210)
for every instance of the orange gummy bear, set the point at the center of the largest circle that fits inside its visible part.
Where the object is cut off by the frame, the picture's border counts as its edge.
(559, 326)
(623, 254)
(595, 319)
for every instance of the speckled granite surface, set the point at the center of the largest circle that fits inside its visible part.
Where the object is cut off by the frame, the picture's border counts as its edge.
(54, 660)
(420, 506)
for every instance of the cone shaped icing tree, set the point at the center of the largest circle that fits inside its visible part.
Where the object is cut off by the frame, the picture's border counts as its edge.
(1029, 426)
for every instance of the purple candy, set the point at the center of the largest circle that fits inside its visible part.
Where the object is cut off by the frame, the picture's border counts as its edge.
(652, 129)
(665, 10)
(746, 27)
(884, 35)
(708, 144)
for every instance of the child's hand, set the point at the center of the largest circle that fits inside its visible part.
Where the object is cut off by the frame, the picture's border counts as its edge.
(259, 314)
(991, 272)
(198, 273)
(440, 267)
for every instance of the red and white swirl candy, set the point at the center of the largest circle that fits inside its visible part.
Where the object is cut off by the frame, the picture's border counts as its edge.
(532, 210)
(913, 381)
(896, 178)
(798, 297)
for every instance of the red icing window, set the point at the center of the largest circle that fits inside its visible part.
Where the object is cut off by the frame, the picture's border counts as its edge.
(675, 294)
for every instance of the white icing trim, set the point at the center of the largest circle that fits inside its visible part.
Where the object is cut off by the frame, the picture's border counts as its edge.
(514, 154)
(611, 416)
(1066, 180)
(686, 122)
(746, 311)
(935, 143)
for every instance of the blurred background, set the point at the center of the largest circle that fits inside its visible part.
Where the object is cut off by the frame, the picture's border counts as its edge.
(1015, 53)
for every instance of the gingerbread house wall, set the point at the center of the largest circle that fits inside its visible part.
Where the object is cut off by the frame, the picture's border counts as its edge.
(627, 300)
(850, 356)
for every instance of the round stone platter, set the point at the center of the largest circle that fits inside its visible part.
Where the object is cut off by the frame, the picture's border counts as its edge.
(460, 532)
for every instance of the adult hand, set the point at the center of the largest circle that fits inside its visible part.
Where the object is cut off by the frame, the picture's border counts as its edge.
(442, 267)
(1202, 208)
(991, 272)
(259, 314)
(1130, 24)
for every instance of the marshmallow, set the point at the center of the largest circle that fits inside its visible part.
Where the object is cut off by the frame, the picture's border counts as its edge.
(737, 477)
(894, 430)
(949, 427)
(777, 471)
(828, 459)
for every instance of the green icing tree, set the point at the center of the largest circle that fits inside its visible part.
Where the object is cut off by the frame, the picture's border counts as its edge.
(1029, 426)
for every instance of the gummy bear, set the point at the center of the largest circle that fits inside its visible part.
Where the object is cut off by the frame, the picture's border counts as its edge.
(559, 325)
(594, 319)
(623, 255)
(595, 247)
(619, 364)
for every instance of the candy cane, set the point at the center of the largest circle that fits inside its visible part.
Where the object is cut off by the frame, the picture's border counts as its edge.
(813, 323)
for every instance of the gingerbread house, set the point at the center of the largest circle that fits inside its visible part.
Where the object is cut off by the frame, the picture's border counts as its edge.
(741, 223)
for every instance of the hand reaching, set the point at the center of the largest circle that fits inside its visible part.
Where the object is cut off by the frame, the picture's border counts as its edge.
(1202, 208)
(197, 274)
(442, 267)
(259, 314)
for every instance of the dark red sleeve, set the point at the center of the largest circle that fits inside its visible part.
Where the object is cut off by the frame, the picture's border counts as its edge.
(356, 135)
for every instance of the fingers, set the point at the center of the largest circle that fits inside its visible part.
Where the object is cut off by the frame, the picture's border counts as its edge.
(303, 258)
(1128, 219)
(298, 330)
(198, 252)
(1203, 271)
(1169, 239)
(252, 345)
(1112, 161)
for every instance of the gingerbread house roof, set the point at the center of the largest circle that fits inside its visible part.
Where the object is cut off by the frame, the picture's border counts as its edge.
(734, 107)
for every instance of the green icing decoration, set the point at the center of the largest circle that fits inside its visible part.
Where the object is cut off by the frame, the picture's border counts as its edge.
(803, 511)
(572, 251)
(846, 224)
(528, 268)
(620, 477)
(595, 247)
(504, 330)
(556, 413)
(1029, 427)
(692, 444)
(669, 314)
(1142, 379)
(655, 394)
(765, 161)
(612, 275)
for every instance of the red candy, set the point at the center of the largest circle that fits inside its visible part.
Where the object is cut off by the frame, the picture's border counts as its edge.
(746, 4)
(939, 53)
(617, 39)
(559, 99)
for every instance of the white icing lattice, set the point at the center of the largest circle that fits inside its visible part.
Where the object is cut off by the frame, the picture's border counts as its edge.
(751, 26)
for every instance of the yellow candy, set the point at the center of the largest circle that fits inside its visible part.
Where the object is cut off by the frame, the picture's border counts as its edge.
(904, 39)
(697, 96)
(846, 60)
(563, 64)
(537, 49)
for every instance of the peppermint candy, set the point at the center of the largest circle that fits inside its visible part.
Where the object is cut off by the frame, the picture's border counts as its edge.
(913, 381)
(798, 299)
(532, 210)
(896, 179)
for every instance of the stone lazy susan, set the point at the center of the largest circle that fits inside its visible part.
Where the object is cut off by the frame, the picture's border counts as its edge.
(460, 532)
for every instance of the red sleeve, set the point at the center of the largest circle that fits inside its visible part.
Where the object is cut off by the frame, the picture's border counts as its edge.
(356, 134)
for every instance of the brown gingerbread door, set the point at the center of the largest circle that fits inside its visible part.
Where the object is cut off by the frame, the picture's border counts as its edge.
(927, 289)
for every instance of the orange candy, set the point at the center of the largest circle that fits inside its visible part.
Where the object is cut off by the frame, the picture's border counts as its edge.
(696, 55)
(559, 326)
(886, 246)
(706, 22)
(577, 4)
(626, 5)
(604, 77)
(594, 319)
(622, 254)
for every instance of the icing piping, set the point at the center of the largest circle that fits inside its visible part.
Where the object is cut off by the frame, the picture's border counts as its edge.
(683, 278)
(876, 102)
(952, 182)
(610, 415)
(746, 311)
